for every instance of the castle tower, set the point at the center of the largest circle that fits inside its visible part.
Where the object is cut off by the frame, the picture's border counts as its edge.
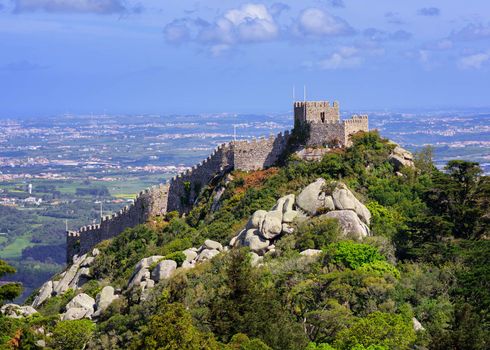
(316, 112)
(318, 124)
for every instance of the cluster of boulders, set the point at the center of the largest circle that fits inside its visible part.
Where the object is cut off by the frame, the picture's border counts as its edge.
(84, 306)
(153, 269)
(335, 200)
(400, 158)
(263, 229)
(72, 278)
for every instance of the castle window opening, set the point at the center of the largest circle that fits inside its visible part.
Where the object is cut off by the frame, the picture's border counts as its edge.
(322, 116)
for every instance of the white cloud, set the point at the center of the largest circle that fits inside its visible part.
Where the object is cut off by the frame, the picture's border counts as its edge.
(249, 23)
(177, 31)
(79, 6)
(345, 58)
(316, 22)
(475, 61)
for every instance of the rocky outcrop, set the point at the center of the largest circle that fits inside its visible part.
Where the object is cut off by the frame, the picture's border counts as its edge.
(343, 199)
(312, 198)
(349, 223)
(17, 311)
(44, 294)
(400, 158)
(81, 306)
(311, 252)
(163, 270)
(104, 299)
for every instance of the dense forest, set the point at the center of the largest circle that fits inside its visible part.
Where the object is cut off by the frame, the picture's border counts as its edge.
(421, 280)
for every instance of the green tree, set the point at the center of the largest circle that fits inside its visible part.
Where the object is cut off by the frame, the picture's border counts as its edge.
(8, 291)
(72, 334)
(171, 328)
(352, 255)
(383, 329)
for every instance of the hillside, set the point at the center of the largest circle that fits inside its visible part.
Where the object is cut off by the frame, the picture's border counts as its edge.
(362, 249)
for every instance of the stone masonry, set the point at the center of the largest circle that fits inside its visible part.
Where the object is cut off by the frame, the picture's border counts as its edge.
(324, 128)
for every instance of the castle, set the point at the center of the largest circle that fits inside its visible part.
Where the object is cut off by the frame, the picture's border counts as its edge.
(316, 124)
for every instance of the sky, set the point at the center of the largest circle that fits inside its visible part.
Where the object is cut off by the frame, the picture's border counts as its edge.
(179, 57)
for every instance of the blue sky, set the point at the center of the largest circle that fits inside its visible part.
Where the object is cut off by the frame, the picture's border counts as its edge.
(83, 56)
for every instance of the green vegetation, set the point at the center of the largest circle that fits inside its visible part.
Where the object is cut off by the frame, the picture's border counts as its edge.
(427, 259)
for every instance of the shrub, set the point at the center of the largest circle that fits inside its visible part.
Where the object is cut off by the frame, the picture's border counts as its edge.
(377, 329)
(380, 268)
(72, 334)
(352, 255)
(317, 233)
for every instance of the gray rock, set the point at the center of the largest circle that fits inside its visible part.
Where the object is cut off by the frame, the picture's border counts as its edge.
(256, 219)
(255, 242)
(89, 260)
(344, 199)
(311, 252)
(210, 244)
(17, 311)
(44, 294)
(207, 254)
(95, 252)
(287, 229)
(312, 198)
(140, 275)
(216, 199)
(163, 270)
(147, 262)
(235, 240)
(76, 313)
(81, 300)
(349, 222)
(400, 158)
(329, 204)
(80, 278)
(417, 326)
(289, 216)
(190, 254)
(65, 281)
(288, 203)
(104, 299)
(272, 224)
(41, 343)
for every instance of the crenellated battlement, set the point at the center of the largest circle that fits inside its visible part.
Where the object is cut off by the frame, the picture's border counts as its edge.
(324, 128)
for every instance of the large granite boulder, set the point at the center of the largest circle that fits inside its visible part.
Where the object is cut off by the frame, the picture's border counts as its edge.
(68, 276)
(255, 241)
(190, 254)
(256, 219)
(400, 158)
(104, 299)
(163, 270)
(81, 300)
(349, 222)
(76, 313)
(210, 244)
(138, 277)
(272, 224)
(344, 199)
(207, 254)
(312, 197)
(44, 294)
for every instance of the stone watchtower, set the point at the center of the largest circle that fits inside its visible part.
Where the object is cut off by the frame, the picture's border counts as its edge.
(319, 124)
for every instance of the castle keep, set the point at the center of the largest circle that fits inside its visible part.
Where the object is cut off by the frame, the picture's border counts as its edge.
(318, 123)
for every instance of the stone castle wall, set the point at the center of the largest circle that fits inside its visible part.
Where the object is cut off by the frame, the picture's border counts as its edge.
(179, 194)
(259, 153)
(185, 187)
(355, 124)
(150, 202)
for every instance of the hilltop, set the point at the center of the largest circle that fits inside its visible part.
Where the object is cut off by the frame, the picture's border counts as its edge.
(404, 266)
